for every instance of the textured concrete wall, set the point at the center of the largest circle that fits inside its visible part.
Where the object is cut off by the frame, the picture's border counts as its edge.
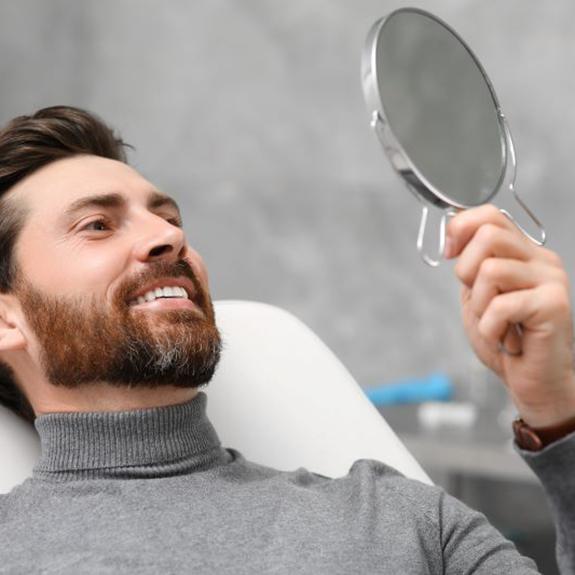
(251, 114)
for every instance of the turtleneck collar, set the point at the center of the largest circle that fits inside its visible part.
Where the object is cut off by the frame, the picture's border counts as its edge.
(144, 443)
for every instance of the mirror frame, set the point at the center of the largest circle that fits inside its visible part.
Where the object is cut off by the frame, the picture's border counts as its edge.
(380, 123)
(422, 189)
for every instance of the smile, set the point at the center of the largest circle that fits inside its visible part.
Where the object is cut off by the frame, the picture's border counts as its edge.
(171, 292)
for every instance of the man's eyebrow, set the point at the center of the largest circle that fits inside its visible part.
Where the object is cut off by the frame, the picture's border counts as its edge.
(159, 200)
(116, 200)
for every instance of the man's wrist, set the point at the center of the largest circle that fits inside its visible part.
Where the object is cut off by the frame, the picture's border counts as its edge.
(552, 406)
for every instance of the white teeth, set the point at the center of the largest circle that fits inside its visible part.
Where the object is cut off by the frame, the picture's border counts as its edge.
(168, 291)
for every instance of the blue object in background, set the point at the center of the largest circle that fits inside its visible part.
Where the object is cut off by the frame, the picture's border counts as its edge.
(435, 387)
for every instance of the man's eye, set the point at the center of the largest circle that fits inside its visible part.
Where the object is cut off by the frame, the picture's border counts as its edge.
(97, 226)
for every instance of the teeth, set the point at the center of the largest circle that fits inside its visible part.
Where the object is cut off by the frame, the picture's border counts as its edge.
(167, 291)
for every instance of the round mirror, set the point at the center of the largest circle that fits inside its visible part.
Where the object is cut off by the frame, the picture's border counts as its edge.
(440, 107)
(437, 115)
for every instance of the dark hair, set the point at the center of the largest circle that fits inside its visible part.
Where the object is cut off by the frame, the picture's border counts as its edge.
(27, 143)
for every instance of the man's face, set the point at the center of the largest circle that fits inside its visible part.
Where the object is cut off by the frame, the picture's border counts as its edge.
(98, 247)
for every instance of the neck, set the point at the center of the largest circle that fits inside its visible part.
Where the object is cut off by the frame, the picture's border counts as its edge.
(141, 443)
(105, 397)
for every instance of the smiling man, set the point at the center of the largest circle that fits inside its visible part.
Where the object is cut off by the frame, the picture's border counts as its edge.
(116, 304)
(106, 333)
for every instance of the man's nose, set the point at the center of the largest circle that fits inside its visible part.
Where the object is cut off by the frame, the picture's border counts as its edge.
(159, 239)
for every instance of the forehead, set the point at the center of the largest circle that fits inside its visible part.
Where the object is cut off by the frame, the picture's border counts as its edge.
(52, 188)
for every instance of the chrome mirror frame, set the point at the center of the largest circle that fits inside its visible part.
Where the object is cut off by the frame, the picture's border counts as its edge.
(428, 195)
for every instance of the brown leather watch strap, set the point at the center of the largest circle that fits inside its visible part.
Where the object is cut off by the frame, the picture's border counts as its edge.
(532, 439)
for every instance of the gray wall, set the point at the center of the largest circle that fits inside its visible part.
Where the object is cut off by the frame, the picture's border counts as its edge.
(251, 114)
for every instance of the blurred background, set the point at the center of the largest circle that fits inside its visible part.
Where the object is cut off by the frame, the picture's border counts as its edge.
(251, 114)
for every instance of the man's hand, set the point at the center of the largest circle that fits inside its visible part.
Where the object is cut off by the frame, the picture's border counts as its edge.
(508, 281)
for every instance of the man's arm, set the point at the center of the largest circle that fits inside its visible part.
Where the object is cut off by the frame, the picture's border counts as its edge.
(508, 281)
(555, 467)
(471, 545)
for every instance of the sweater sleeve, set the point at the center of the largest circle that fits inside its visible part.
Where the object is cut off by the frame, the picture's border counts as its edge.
(555, 468)
(471, 545)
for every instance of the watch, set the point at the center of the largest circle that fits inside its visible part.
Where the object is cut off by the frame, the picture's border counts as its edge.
(531, 439)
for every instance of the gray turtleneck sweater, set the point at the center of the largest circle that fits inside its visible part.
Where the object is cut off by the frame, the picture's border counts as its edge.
(153, 491)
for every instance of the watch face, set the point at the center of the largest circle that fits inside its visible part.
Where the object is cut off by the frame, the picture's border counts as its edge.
(525, 437)
(534, 440)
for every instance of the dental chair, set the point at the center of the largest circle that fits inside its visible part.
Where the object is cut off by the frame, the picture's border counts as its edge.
(279, 396)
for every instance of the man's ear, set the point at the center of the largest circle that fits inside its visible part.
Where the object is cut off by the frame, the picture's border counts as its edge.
(11, 336)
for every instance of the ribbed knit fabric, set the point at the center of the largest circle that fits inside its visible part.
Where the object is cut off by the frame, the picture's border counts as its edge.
(555, 466)
(155, 442)
(152, 491)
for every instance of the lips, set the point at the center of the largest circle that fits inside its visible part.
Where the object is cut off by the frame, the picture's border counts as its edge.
(162, 304)
(179, 287)
(165, 292)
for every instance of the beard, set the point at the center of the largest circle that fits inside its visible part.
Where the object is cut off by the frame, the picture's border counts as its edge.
(83, 341)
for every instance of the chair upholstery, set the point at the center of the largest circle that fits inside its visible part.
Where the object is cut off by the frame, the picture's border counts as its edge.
(279, 396)
(283, 399)
(19, 449)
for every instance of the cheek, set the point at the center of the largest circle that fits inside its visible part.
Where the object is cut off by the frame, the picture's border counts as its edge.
(199, 266)
(68, 270)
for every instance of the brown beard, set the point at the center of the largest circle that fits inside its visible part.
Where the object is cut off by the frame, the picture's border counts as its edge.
(82, 342)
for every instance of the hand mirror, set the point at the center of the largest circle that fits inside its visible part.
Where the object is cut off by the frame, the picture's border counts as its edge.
(438, 119)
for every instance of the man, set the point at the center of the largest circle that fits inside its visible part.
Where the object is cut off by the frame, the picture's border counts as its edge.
(106, 333)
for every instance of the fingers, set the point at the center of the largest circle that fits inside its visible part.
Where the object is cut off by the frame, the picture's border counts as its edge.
(512, 340)
(507, 279)
(490, 241)
(501, 275)
(525, 307)
(466, 223)
(478, 234)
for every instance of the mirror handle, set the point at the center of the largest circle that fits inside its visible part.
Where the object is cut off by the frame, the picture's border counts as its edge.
(379, 126)
(511, 149)
(432, 261)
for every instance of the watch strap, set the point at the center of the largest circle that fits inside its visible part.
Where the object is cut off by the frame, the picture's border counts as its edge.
(535, 439)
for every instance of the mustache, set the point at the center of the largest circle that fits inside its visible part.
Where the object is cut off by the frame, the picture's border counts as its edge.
(158, 270)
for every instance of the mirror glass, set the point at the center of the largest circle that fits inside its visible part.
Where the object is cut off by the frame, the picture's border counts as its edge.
(440, 107)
